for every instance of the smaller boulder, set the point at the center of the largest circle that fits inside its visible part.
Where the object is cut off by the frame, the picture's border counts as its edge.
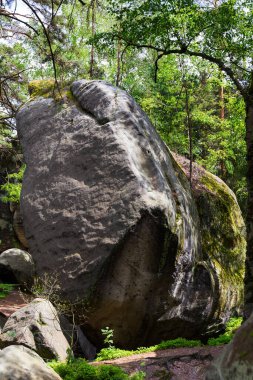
(21, 363)
(236, 360)
(36, 326)
(16, 265)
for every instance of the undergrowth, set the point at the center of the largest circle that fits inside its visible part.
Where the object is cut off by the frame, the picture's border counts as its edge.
(79, 369)
(115, 353)
(5, 289)
(232, 325)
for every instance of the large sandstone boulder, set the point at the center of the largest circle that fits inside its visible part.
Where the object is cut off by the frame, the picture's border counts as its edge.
(21, 363)
(106, 205)
(16, 266)
(36, 326)
(236, 360)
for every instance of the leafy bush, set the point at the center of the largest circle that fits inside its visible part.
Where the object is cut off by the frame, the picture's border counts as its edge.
(115, 353)
(232, 325)
(12, 188)
(79, 369)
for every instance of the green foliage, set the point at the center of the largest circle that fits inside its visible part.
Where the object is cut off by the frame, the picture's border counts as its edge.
(5, 289)
(108, 334)
(232, 325)
(115, 353)
(12, 188)
(79, 369)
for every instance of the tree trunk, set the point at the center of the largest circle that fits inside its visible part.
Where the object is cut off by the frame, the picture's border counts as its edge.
(93, 31)
(249, 222)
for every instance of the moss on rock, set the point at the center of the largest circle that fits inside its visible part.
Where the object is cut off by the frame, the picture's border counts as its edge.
(48, 88)
(222, 237)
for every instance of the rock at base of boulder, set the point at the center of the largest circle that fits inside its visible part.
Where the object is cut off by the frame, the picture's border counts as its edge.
(21, 363)
(236, 360)
(36, 326)
(17, 265)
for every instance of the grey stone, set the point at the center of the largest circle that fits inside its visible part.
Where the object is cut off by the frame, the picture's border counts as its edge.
(18, 263)
(21, 363)
(236, 360)
(105, 203)
(36, 326)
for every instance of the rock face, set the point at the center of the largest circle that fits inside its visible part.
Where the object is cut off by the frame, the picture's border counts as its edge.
(236, 360)
(222, 233)
(21, 363)
(16, 266)
(105, 205)
(36, 326)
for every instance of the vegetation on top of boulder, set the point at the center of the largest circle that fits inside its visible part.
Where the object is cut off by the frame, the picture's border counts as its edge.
(47, 88)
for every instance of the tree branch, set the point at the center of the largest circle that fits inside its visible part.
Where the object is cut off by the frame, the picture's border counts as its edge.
(48, 41)
(7, 14)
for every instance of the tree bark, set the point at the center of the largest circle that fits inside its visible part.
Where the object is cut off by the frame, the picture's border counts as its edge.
(248, 309)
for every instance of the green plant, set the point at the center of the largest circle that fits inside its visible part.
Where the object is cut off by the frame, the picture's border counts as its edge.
(5, 289)
(232, 325)
(79, 369)
(108, 336)
(12, 188)
(115, 353)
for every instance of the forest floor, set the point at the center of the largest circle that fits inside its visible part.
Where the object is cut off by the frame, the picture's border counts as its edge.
(171, 364)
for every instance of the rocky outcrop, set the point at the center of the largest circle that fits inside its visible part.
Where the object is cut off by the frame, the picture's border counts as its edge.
(104, 202)
(21, 363)
(236, 360)
(16, 266)
(36, 326)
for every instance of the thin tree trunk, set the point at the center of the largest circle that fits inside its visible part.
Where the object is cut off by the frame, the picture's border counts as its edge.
(222, 105)
(93, 31)
(189, 128)
(248, 309)
(222, 117)
(118, 63)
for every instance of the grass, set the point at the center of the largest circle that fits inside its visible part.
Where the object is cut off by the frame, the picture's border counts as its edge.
(79, 369)
(5, 289)
(115, 353)
(232, 325)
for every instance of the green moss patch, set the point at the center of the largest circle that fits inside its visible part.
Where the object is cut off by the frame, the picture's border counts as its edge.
(48, 88)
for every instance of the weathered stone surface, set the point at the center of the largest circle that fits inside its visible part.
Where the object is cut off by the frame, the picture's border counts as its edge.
(21, 363)
(236, 360)
(16, 265)
(36, 326)
(104, 202)
(222, 232)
